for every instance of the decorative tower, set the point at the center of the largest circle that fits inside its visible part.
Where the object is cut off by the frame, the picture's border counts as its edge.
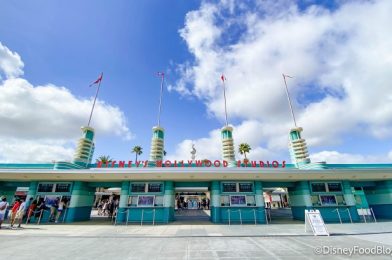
(227, 135)
(158, 133)
(228, 145)
(298, 148)
(85, 149)
(157, 144)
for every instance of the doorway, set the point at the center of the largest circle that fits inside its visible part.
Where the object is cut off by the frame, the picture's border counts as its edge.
(192, 205)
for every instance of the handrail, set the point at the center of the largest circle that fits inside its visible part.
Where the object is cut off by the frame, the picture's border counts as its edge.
(337, 210)
(374, 216)
(349, 214)
(229, 213)
(117, 213)
(153, 216)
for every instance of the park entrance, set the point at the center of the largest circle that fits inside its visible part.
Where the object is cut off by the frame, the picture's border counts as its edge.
(192, 203)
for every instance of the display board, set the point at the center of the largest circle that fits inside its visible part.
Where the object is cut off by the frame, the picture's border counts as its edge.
(314, 219)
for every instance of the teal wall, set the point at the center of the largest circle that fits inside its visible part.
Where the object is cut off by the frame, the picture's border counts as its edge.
(380, 199)
(300, 199)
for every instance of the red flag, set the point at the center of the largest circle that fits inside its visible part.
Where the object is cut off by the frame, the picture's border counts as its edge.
(98, 80)
(223, 78)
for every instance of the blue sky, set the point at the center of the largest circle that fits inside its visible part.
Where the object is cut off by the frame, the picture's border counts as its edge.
(67, 44)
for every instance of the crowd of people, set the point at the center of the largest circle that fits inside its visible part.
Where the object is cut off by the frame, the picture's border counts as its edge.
(29, 210)
(107, 207)
(186, 204)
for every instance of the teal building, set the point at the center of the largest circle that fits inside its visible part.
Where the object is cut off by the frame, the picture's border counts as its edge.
(149, 193)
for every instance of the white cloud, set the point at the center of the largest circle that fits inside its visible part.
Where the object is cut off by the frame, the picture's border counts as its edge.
(337, 157)
(28, 151)
(41, 123)
(210, 147)
(10, 63)
(341, 63)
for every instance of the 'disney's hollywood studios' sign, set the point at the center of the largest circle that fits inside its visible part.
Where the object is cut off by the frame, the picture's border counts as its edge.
(191, 163)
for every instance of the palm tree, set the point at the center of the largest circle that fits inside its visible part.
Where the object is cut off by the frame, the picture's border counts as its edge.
(138, 150)
(104, 159)
(243, 149)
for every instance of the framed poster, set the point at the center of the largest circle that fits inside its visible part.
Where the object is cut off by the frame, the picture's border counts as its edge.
(328, 200)
(238, 200)
(145, 201)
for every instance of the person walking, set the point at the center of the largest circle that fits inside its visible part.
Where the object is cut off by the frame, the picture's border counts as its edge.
(20, 213)
(14, 210)
(60, 210)
(31, 210)
(3, 209)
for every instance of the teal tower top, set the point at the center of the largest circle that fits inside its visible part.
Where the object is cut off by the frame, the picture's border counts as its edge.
(228, 145)
(157, 144)
(85, 148)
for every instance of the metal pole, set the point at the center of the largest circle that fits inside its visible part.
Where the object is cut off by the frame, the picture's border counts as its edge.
(228, 212)
(65, 213)
(28, 216)
(96, 95)
(240, 216)
(349, 214)
(224, 95)
(254, 216)
(127, 217)
(266, 217)
(340, 219)
(364, 218)
(141, 223)
(288, 98)
(153, 218)
(374, 216)
(40, 215)
(162, 75)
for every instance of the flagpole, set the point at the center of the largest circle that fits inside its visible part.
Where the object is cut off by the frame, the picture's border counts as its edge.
(288, 97)
(224, 95)
(96, 95)
(162, 75)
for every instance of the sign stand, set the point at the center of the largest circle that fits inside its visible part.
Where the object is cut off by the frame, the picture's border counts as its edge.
(314, 219)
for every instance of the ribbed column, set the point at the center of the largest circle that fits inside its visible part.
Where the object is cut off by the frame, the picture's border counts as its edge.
(228, 153)
(168, 201)
(350, 200)
(32, 190)
(298, 148)
(81, 202)
(300, 199)
(123, 203)
(215, 202)
(85, 149)
(157, 144)
(259, 198)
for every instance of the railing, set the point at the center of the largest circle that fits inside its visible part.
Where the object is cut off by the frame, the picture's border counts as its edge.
(371, 214)
(339, 216)
(117, 213)
(229, 213)
(153, 216)
(41, 213)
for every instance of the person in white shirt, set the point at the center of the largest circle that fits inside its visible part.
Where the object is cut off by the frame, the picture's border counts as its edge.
(3, 209)
(21, 212)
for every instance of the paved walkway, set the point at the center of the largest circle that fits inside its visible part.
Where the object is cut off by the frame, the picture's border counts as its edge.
(283, 241)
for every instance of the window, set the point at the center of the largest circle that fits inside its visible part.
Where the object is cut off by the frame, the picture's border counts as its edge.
(159, 201)
(318, 187)
(45, 187)
(237, 200)
(250, 200)
(63, 187)
(229, 187)
(138, 187)
(246, 187)
(328, 200)
(225, 201)
(334, 187)
(145, 201)
(155, 187)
